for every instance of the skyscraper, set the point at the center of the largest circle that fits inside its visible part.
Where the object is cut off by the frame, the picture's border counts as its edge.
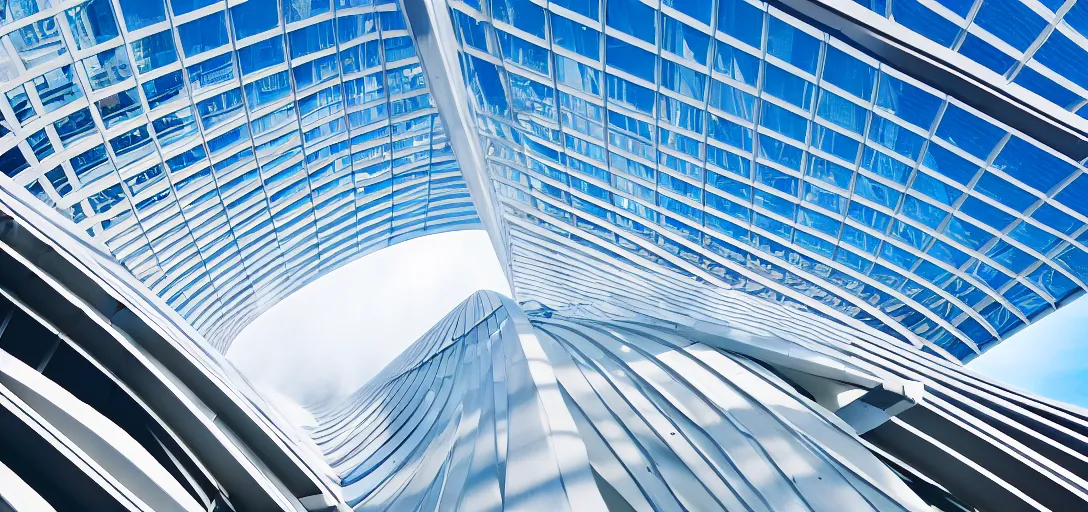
(750, 245)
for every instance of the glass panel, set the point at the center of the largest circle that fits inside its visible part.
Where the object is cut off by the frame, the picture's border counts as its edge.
(38, 42)
(203, 34)
(20, 103)
(92, 23)
(119, 107)
(142, 13)
(154, 51)
(107, 68)
(253, 17)
(57, 88)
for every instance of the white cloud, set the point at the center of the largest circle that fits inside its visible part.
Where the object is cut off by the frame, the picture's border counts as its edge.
(331, 336)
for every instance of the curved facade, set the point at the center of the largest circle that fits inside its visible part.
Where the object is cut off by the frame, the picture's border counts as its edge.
(751, 245)
(229, 154)
(762, 153)
(226, 155)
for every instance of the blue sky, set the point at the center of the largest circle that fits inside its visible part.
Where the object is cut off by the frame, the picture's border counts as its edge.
(1047, 357)
(331, 336)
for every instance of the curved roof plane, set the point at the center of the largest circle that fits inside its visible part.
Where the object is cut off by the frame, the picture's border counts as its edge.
(918, 169)
(734, 143)
(226, 155)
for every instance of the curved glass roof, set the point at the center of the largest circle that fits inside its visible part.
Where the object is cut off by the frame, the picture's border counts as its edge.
(1037, 45)
(729, 141)
(226, 156)
(228, 152)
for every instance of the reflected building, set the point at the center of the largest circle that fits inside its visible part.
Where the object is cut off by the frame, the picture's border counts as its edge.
(751, 246)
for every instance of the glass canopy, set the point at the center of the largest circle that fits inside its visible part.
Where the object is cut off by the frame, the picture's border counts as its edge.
(731, 142)
(226, 156)
(229, 152)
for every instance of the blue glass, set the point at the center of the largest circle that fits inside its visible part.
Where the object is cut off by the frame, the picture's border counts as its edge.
(1053, 282)
(949, 164)
(820, 222)
(736, 64)
(516, 50)
(948, 254)
(683, 80)
(1056, 219)
(1062, 55)
(876, 192)
(780, 152)
(860, 239)
(885, 166)
(154, 51)
(1032, 165)
(900, 140)
(588, 9)
(1076, 17)
(311, 39)
(783, 121)
(163, 89)
(966, 233)
(634, 18)
(521, 14)
(203, 34)
(834, 143)
(741, 20)
(186, 6)
(777, 179)
(1010, 257)
(984, 53)
(731, 100)
(74, 127)
(1010, 20)
(792, 45)
(1028, 302)
(142, 13)
(919, 18)
(1074, 261)
(849, 74)
(824, 198)
(830, 172)
(1047, 88)
(1000, 318)
(211, 72)
(38, 43)
(788, 86)
(923, 212)
(968, 132)
(262, 55)
(20, 104)
(92, 23)
(989, 215)
(298, 10)
(684, 41)
(39, 144)
(576, 37)
(842, 112)
(629, 58)
(120, 107)
(1075, 196)
(1034, 238)
(57, 88)
(253, 17)
(1004, 192)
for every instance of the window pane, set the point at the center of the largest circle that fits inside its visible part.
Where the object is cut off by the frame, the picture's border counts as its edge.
(92, 23)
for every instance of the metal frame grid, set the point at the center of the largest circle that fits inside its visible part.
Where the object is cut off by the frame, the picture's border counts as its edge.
(784, 161)
(226, 153)
(1026, 46)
